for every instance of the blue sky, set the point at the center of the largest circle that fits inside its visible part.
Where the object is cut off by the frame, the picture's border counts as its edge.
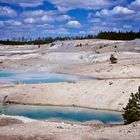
(34, 18)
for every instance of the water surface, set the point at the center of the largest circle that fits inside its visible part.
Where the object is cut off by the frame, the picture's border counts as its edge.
(5, 74)
(35, 77)
(62, 113)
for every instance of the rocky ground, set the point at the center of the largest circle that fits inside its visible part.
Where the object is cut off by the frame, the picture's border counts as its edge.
(19, 128)
(111, 90)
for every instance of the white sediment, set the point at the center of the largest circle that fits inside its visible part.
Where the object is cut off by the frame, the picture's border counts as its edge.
(92, 60)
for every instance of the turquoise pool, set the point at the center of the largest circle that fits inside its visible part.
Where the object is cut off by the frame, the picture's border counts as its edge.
(62, 113)
(35, 77)
(5, 74)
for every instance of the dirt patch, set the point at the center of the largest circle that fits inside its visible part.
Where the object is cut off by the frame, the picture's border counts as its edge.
(36, 137)
(9, 121)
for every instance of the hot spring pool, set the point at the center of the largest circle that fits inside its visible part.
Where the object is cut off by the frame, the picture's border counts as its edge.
(32, 77)
(4, 74)
(62, 113)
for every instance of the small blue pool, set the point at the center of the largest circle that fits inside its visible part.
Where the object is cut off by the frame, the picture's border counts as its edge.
(5, 74)
(35, 77)
(62, 113)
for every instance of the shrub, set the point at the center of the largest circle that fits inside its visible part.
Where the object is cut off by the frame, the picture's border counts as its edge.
(132, 109)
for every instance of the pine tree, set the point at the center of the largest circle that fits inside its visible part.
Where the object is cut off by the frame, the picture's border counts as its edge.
(132, 109)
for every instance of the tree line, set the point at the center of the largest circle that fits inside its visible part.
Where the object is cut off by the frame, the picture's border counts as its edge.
(40, 41)
(118, 35)
(45, 40)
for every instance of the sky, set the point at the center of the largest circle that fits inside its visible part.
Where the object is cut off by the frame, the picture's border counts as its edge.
(44, 18)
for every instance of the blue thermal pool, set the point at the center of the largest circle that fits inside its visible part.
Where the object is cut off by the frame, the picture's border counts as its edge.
(61, 113)
(32, 77)
(5, 74)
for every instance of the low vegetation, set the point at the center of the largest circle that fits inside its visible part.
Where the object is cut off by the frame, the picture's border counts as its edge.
(45, 40)
(118, 35)
(132, 109)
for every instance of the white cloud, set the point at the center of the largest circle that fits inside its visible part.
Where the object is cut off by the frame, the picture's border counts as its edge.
(135, 5)
(110, 15)
(24, 3)
(116, 11)
(30, 4)
(95, 20)
(42, 16)
(74, 24)
(37, 13)
(55, 17)
(47, 18)
(65, 5)
(16, 23)
(115, 29)
(1, 23)
(29, 20)
(57, 31)
(127, 26)
(38, 16)
(137, 16)
(11, 23)
(82, 32)
(96, 29)
(63, 18)
(33, 13)
(7, 12)
(45, 26)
